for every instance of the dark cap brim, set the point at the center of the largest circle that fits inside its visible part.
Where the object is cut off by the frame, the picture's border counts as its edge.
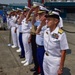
(52, 16)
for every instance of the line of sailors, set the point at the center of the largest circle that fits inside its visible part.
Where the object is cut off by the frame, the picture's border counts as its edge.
(39, 36)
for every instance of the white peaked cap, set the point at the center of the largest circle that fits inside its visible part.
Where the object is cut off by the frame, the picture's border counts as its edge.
(54, 12)
(19, 9)
(43, 8)
(13, 10)
(37, 4)
(27, 7)
(57, 9)
(8, 12)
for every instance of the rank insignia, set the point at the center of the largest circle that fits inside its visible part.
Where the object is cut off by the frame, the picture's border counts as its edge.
(60, 31)
(56, 36)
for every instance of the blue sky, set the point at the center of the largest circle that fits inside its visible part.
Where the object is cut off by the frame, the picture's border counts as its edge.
(12, 1)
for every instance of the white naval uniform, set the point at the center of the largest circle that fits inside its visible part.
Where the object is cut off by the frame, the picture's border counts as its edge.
(26, 27)
(18, 30)
(8, 22)
(13, 26)
(40, 36)
(53, 46)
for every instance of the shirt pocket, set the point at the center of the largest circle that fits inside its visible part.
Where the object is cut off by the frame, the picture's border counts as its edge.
(56, 42)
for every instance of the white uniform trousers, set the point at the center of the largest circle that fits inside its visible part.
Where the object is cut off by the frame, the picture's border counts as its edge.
(51, 65)
(14, 36)
(18, 38)
(27, 47)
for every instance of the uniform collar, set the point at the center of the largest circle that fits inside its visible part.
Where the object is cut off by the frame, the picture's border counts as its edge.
(55, 31)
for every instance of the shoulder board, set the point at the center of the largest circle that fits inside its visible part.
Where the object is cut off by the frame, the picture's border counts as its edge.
(60, 31)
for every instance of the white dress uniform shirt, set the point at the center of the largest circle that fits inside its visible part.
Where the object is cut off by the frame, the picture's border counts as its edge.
(40, 36)
(12, 21)
(54, 45)
(26, 27)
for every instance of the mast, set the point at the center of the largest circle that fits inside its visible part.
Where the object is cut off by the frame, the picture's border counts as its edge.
(29, 3)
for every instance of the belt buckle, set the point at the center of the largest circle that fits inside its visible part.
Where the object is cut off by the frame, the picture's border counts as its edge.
(47, 54)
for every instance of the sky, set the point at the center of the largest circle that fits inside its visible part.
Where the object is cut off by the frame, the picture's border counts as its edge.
(12, 1)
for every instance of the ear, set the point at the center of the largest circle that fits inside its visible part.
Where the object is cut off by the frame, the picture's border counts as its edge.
(56, 21)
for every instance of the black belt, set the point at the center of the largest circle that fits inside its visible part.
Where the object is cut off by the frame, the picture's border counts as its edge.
(40, 46)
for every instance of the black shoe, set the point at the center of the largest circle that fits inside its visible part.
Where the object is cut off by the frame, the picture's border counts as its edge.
(21, 56)
(33, 69)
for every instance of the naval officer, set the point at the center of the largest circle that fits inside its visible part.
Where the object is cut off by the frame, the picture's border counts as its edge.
(39, 36)
(13, 26)
(26, 27)
(55, 44)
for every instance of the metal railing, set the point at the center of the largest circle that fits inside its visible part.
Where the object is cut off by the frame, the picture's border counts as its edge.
(59, 0)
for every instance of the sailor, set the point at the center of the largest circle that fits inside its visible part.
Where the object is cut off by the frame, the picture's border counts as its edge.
(26, 27)
(19, 20)
(13, 26)
(39, 36)
(8, 19)
(34, 11)
(8, 25)
(18, 12)
(55, 44)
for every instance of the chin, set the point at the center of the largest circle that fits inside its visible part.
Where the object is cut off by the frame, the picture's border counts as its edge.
(48, 26)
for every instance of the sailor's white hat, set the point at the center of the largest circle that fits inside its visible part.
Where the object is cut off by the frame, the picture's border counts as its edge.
(8, 12)
(56, 9)
(37, 4)
(19, 9)
(54, 12)
(13, 10)
(27, 7)
(43, 8)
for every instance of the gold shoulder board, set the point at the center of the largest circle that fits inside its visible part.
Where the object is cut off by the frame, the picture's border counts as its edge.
(60, 31)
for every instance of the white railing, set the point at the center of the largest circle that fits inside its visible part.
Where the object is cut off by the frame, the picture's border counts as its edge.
(59, 0)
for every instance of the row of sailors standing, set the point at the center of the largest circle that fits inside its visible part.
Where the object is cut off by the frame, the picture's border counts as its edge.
(44, 27)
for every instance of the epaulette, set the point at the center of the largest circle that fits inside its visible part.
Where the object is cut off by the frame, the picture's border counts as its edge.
(60, 31)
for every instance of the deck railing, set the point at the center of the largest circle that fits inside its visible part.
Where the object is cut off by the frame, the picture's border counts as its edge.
(59, 0)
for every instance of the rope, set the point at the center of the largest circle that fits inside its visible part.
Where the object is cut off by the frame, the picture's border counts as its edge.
(67, 31)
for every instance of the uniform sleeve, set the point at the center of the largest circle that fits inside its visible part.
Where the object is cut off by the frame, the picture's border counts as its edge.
(63, 42)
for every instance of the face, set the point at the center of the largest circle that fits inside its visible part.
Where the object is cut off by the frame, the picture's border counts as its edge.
(25, 13)
(42, 16)
(52, 22)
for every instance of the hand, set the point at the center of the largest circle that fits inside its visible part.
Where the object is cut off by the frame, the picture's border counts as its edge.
(29, 40)
(60, 71)
(43, 18)
(34, 8)
(43, 21)
(15, 30)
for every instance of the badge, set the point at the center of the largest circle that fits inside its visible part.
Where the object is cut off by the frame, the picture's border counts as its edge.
(56, 36)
